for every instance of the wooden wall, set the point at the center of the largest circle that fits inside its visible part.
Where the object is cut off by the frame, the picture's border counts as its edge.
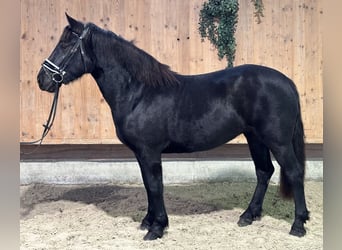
(288, 39)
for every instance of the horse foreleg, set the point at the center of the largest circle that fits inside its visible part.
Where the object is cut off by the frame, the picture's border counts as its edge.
(156, 219)
(264, 170)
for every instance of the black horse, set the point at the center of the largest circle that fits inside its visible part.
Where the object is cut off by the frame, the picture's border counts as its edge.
(158, 111)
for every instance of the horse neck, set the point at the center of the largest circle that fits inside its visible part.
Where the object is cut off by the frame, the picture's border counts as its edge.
(118, 87)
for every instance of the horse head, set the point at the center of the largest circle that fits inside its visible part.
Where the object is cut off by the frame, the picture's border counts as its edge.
(70, 59)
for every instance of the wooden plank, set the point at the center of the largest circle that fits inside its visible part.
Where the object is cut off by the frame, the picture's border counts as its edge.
(288, 39)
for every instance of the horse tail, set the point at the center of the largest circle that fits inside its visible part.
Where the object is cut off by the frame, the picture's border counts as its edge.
(299, 150)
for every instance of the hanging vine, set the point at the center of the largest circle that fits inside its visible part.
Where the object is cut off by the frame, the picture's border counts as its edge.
(217, 23)
(259, 10)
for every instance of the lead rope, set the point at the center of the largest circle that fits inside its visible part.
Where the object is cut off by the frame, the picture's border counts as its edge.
(47, 126)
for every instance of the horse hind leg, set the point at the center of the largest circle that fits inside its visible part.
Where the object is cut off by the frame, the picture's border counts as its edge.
(292, 171)
(264, 170)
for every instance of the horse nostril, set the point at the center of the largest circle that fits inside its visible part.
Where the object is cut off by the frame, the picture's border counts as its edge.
(41, 76)
(39, 79)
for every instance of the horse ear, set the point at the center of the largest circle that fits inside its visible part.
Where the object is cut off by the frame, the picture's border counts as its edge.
(74, 24)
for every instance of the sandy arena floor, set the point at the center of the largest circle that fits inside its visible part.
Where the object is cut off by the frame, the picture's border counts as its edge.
(201, 216)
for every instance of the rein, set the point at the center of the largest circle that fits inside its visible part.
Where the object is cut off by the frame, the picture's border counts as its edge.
(57, 75)
(48, 124)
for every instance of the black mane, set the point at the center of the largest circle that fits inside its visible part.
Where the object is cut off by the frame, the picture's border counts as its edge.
(144, 67)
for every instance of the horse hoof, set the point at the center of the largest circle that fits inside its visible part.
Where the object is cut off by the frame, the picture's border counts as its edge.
(244, 222)
(297, 231)
(152, 236)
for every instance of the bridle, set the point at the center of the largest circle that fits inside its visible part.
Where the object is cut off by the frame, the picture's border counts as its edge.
(57, 72)
(57, 75)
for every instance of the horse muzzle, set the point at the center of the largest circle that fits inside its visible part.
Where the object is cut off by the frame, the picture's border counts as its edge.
(49, 82)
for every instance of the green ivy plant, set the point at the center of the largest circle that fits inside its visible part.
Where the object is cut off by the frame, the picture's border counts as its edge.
(259, 10)
(217, 22)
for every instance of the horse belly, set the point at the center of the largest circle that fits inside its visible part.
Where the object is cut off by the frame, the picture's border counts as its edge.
(206, 133)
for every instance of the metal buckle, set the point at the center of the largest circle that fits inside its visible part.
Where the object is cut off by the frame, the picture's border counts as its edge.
(57, 77)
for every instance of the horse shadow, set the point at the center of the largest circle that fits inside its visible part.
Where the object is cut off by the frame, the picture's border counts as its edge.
(191, 199)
